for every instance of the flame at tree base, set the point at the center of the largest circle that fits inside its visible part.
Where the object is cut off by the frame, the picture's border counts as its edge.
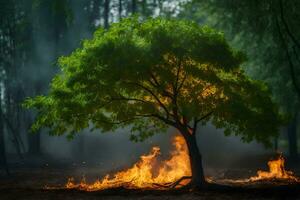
(148, 172)
(276, 172)
(152, 173)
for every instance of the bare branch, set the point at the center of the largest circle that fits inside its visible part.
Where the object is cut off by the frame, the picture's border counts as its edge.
(165, 120)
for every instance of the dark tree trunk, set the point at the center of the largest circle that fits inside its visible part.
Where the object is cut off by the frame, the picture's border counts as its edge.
(120, 9)
(106, 14)
(3, 161)
(144, 8)
(198, 179)
(34, 144)
(133, 6)
(95, 13)
(292, 138)
(10, 116)
(34, 140)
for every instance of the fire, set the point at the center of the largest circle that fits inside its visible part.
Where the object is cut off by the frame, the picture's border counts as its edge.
(276, 175)
(276, 171)
(148, 172)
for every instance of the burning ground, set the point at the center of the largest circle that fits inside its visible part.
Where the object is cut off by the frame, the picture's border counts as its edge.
(148, 173)
(151, 177)
(151, 173)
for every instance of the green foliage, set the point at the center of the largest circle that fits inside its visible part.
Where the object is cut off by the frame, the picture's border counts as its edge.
(252, 26)
(153, 74)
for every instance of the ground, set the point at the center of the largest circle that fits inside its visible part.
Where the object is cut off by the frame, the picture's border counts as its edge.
(30, 182)
(120, 194)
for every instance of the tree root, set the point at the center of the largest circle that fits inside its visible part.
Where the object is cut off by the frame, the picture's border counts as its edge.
(192, 186)
(173, 185)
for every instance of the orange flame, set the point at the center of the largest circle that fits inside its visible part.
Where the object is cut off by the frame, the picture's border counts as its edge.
(148, 172)
(276, 171)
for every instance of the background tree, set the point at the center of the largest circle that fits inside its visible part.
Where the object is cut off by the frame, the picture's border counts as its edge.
(47, 21)
(13, 51)
(106, 13)
(3, 159)
(156, 74)
(268, 30)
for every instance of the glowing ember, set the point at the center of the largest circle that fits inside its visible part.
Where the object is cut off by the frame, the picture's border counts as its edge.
(276, 171)
(148, 172)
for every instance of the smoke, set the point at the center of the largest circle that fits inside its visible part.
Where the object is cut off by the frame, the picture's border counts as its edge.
(226, 151)
(112, 151)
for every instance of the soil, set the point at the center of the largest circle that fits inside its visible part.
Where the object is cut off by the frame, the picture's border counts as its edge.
(119, 194)
(30, 182)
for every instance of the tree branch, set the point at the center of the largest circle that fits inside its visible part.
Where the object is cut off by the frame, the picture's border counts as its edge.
(135, 117)
(157, 85)
(122, 98)
(173, 184)
(152, 93)
(177, 75)
(182, 82)
(205, 116)
(166, 120)
(139, 116)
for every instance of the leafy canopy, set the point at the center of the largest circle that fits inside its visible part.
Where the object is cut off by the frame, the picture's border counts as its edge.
(153, 74)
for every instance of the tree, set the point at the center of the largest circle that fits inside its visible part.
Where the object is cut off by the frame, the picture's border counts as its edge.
(106, 13)
(120, 9)
(12, 56)
(152, 75)
(133, 6)
(3, 160)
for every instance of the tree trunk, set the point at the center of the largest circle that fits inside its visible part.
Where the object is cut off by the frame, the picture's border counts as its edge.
(198, 179)
(144, 5)
(120, 9)
(34, 139)
(3, 161)
(106, 14)
(95, 15)
(292, 138)
(133, 6)
(12, 127)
